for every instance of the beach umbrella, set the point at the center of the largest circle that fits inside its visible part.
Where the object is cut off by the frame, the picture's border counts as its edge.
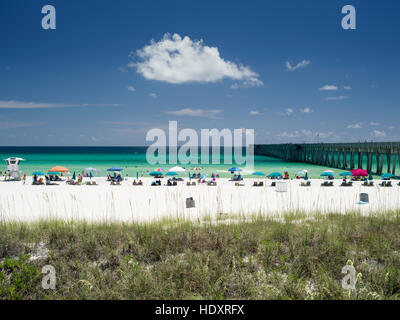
(177, 169)
(37, 173)
(258, 173)
(90, 175)
(155, 173)
(331, 171)
(326, 174)
(196, 168)
(115, 169)
(74, 176)
(387, 175)
(159, 170)
(275, 174)
(346, 173)
(234, 169)
(59, 169)
(137, 175)
(359, 173)
(370, 177)
(170, 173)
(53, 173)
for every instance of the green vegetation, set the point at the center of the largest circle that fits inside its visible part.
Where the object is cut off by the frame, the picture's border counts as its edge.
(297, 257)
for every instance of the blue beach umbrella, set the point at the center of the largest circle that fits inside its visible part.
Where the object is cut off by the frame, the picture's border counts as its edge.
(258, 173)
(115, 169)
(52, 173)
(345, 174)
(155, 173)
(234, 169)
(171, 173)
(37, 173)
(387, 175)
(275, 174)
(326, 174)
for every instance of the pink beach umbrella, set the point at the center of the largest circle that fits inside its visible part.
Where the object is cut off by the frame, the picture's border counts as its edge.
(359, 173)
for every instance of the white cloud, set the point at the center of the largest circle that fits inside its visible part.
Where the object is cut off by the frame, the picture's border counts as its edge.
(131, 88)
(180, 60)
(336, 98)
(328, 87)
(347, 88)
(391, 127)
(40, 105)
(378, 134)
(357, 125)
(153, 95)
(306, 110)
(288, 111)
(4, 125)
(305, 133)
(374, 124)
(213, 113)
(301, 64)
(254, 113)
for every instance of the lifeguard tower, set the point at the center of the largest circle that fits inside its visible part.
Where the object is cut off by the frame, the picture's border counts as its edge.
(13, 172)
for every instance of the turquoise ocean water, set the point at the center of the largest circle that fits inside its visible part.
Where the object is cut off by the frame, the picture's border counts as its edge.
(133, 161)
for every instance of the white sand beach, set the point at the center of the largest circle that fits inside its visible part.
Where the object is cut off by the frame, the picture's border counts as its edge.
(125, 202)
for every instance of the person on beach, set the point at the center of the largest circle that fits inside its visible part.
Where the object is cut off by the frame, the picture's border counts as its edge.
(24, 178)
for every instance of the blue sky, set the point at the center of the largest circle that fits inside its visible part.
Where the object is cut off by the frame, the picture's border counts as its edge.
(286, 69)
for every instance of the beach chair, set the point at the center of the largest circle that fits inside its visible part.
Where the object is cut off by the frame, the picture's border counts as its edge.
(383, 184)
(398, 184)
(188, 184)
(365, 183)
(261, 184)
(193, 183)
(273, 184)
(308, 184)
(330, 184)
(175, 183)
(371, 184)
(389, 184)
(255, 184)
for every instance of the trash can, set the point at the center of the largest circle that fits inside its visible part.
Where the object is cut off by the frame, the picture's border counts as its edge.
(281, 186)
(190, 203)
(364, 197)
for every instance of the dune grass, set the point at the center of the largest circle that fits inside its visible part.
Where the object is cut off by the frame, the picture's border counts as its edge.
(296, 257)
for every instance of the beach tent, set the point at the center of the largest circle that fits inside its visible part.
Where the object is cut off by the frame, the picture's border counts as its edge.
(59, 169)
(115, 169)
(275, 174)
(177, 169)
(359, 173)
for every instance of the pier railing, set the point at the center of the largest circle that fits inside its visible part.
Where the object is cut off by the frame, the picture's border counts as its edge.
(336, 155)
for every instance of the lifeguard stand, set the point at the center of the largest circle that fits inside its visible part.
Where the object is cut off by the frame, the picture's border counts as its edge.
(13, 172)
